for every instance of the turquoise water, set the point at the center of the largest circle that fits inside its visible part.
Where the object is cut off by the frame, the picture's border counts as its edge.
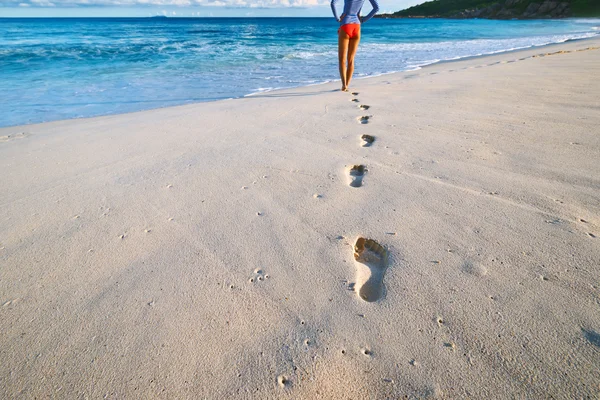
(54, 69)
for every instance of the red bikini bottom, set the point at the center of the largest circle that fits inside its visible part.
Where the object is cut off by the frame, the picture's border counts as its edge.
(351, 29)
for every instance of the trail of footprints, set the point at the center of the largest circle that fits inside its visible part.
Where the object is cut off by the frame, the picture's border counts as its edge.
(13, 136)
(371, 257)
(356, 173)
(521, 59)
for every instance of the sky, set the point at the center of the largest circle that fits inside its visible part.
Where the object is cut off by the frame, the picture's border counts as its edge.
(181, 8)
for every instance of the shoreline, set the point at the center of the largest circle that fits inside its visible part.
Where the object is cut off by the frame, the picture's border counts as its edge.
(213, 250)
(356, 78)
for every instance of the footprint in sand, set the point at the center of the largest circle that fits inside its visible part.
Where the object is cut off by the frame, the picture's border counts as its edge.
(474, 269)
(364, 107)
(592, 337)
(355, 93)
(373, 263)
(367, 140)
(357, 173)
(364, 119)
(13, 136)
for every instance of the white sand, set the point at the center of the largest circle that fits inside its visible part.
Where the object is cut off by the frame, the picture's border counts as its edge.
(128, 243)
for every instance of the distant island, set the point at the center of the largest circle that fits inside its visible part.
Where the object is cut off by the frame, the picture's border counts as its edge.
(500, 9)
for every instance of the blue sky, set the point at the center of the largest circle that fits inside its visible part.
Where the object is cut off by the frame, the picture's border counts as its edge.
(180, 8)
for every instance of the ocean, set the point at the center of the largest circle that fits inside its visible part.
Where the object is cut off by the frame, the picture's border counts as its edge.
(53, 69)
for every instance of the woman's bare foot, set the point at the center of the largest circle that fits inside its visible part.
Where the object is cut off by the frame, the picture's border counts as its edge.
(344, 88)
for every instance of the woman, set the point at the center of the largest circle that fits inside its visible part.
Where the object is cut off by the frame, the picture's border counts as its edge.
(349, 35)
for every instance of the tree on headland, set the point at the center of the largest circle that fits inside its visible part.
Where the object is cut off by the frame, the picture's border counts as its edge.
(500, 9)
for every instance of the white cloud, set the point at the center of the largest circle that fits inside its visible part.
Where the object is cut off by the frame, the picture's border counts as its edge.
(162, 3)
(41, 3)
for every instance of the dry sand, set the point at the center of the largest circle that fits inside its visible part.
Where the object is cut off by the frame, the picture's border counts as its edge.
(206, 251)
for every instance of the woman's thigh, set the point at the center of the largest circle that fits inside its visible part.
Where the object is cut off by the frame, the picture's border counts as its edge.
(353, 46)
(343, 43)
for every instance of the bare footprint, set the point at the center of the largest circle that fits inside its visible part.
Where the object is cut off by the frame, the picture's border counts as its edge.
(368, 140)
(355, 100)
(364, 119)
(13, 136)
(373, 262)
(357, 173)
(364, 107)
(355, 93)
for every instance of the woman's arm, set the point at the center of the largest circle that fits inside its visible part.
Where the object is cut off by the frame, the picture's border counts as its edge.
(335, 14)
(372, 13)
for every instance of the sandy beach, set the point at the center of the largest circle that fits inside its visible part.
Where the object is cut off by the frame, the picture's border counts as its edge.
(208, 250)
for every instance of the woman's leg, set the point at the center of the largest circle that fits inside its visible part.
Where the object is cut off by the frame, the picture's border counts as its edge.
(343, 40)
(352, 47)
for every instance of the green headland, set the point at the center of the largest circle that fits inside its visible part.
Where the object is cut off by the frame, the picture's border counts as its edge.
(500, 9)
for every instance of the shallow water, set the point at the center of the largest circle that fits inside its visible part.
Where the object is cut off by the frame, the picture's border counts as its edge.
(54, 69)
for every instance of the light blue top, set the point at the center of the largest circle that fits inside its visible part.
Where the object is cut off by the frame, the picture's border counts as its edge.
(352, 9)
